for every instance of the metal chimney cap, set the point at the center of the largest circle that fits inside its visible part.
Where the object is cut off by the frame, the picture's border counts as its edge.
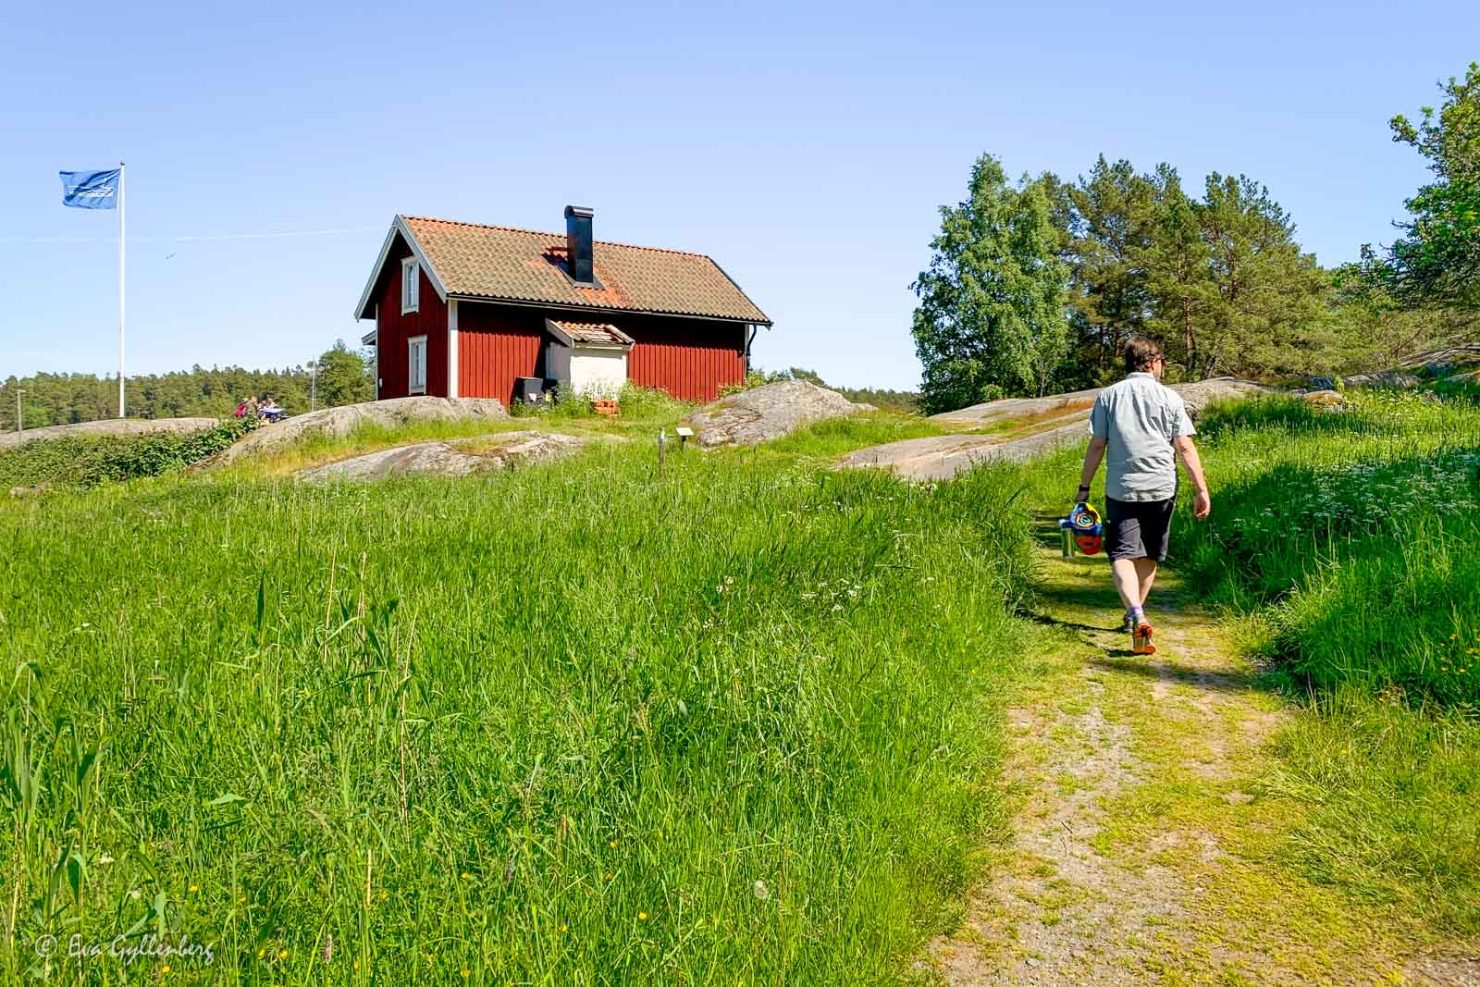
(585, 212)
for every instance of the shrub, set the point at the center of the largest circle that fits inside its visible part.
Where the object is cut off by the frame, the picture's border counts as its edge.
(85, 461)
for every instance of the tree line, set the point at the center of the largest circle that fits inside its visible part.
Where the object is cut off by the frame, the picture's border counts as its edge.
(339, 376)
(1034, 285)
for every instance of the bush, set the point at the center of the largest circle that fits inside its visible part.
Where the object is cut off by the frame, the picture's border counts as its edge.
(85, 461)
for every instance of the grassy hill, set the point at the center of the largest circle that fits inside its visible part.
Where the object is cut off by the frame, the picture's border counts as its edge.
(738, 721)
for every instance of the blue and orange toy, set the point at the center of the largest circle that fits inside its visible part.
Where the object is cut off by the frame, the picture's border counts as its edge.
(1083, 529)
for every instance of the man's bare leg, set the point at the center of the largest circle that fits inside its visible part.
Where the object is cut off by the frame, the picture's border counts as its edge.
(1146, 574)
(1127, 575)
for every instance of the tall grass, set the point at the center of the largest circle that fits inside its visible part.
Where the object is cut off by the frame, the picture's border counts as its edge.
(1393, 796)
(577, 724)
(1361, 528)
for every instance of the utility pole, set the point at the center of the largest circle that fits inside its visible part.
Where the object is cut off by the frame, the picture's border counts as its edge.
(313, 387)
(20, 425)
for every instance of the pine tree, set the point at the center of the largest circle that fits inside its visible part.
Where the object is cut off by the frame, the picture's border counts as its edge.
(1114, 225)
(1269, 303)
(1178, 276)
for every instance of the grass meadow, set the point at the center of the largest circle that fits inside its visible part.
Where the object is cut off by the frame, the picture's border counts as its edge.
(735, 722)
(581, 723)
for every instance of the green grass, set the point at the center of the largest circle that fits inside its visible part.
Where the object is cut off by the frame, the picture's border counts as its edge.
(574, 724)
(1360, 528)
(1348, 539)
(737, 723)
(1392, 795)
(837, 436)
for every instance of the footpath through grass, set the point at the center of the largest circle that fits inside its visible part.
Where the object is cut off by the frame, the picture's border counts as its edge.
(578, 723)
(1342, 551)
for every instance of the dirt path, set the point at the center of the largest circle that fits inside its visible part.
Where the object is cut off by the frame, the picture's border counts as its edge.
(1145, 838)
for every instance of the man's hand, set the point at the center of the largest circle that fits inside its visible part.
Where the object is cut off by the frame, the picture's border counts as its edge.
(1202, 505)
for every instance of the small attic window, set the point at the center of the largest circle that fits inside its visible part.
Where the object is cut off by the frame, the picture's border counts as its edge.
(410, 285)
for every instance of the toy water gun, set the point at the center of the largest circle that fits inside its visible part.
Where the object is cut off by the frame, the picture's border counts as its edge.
(1083, 529)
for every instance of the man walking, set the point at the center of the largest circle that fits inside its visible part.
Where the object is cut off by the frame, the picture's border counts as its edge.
(1144, 428)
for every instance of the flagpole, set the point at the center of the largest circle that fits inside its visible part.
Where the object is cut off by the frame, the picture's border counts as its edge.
(121, 284)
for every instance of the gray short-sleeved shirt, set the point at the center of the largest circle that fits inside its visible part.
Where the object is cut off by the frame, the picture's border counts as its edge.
(1140, 417)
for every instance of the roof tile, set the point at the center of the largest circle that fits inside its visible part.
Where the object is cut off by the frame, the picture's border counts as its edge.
(498, 262)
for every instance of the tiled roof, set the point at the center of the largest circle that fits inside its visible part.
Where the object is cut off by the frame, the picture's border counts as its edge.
(498, 262)
(599, 333)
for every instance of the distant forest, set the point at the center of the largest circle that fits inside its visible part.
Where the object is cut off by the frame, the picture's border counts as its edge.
(339, 376)
(344, 376)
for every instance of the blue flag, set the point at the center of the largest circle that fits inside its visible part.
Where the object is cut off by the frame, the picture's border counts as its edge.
(90, 189)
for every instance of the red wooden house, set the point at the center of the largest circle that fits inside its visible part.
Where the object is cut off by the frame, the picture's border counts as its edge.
(463, 310)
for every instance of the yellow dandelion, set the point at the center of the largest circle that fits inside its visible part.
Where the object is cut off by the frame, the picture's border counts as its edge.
(564, 928)
(642, 916)
(466, 875)
(164, 968)
(194, 888)
(282, 954)
(262, 952)
(607, 876)
(612, 844)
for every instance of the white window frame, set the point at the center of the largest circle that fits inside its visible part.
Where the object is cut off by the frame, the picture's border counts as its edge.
(416, 363)
(410, 285)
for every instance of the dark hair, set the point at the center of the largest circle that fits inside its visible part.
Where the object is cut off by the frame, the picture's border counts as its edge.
(1140, 353)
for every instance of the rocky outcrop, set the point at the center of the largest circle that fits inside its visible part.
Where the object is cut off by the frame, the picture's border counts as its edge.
(1456, 363)
(1020, 429)
(1201, 393)
(112, 426)
(768, 412)
(1011, 410)
(940, 457)
(1198, 395)
(341, 421)
(448, 458)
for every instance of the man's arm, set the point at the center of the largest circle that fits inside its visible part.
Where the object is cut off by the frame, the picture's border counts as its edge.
(1092, 457)
(1202, 504)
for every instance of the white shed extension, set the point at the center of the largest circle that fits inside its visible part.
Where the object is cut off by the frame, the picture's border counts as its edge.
(589, 357)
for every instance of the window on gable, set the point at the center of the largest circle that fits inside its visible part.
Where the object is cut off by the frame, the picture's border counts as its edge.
(416, 365)
(410, 285)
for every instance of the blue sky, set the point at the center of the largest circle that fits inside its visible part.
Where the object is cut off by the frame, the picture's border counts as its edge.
(806, 147)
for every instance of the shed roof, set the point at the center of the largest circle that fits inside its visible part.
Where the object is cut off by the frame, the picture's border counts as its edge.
(500, 263)
(573, 333)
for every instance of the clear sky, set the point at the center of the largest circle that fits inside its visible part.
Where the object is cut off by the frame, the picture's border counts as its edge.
(806, 147)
